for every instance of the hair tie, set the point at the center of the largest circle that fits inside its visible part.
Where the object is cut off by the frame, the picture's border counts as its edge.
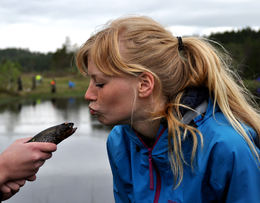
(180, 44)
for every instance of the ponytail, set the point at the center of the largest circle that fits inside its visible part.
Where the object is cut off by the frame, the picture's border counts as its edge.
(205, 66)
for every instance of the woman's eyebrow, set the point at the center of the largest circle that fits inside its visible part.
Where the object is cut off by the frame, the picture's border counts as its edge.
(96, 76)
(91, 74)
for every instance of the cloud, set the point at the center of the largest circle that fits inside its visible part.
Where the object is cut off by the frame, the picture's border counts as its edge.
(43, 25)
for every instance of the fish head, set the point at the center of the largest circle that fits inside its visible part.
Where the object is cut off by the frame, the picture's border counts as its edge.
(67, 129)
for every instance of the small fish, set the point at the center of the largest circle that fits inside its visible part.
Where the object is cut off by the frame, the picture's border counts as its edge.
(55, 134)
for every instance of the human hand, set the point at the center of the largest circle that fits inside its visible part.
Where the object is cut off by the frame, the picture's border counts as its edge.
(10, 188)
(22, 160)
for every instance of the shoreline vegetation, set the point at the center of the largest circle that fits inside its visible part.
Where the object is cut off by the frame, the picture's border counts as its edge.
(66, 86)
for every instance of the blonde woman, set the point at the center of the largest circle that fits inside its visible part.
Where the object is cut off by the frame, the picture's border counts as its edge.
(184, 129)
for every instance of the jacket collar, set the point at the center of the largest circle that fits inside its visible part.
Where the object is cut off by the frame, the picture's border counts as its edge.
(160, 144)
(195, 98)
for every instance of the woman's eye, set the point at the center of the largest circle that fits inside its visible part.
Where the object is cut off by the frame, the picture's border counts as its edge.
(100, 85)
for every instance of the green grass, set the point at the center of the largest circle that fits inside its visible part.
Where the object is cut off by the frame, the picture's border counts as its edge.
(43, 90)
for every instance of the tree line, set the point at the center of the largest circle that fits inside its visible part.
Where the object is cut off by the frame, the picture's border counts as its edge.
(243, 46)
(59, 61)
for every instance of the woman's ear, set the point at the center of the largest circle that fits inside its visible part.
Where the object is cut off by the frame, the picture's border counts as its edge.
(146, 84)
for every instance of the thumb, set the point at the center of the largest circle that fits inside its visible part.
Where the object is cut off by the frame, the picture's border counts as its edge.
(24, 140)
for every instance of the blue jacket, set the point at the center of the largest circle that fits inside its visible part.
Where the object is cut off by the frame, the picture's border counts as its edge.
(225, 169)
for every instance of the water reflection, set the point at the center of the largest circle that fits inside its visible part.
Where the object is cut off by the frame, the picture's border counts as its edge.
(34, 116)
(79, 170)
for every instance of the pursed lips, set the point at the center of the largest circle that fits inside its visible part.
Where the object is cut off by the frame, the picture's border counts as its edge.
(92, 111)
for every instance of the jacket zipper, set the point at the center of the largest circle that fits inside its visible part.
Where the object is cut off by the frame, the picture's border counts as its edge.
(151, 168)
(158, 177)
(158, 186)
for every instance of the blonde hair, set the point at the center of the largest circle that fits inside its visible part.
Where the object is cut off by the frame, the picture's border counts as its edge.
(133, 45)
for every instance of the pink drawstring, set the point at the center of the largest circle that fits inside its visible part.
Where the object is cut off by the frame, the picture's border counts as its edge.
(150, 157)
(151, 169)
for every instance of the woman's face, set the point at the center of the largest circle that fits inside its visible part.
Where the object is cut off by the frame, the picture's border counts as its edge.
(111, 98)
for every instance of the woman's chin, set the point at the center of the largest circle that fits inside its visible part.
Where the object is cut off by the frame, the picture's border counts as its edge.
(105, 121)
(108, 122)
(111, 122)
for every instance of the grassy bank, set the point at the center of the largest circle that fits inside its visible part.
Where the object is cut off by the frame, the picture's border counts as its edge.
(43, 89)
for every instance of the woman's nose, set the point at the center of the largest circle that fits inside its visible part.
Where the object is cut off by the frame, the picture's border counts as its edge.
(90, 94)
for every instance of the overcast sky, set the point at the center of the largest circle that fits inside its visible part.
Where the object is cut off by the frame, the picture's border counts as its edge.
(43, 25)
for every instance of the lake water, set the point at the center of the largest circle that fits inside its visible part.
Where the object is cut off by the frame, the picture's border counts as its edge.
(78, 171)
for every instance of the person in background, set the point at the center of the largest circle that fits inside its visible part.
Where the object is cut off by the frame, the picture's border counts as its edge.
(71, 84)
(53, 86)
(185, 130)
(38, 79)
(19, 84)
(20, 162)
(33, 82)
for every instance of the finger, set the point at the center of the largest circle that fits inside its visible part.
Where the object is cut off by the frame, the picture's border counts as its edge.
(39, 163)
(20, 182)
(44, 146)
(42, 156)
(5, 189)
(48, 147)
(14, 186)
(24, 140)
(31, 178)
(46, 156)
